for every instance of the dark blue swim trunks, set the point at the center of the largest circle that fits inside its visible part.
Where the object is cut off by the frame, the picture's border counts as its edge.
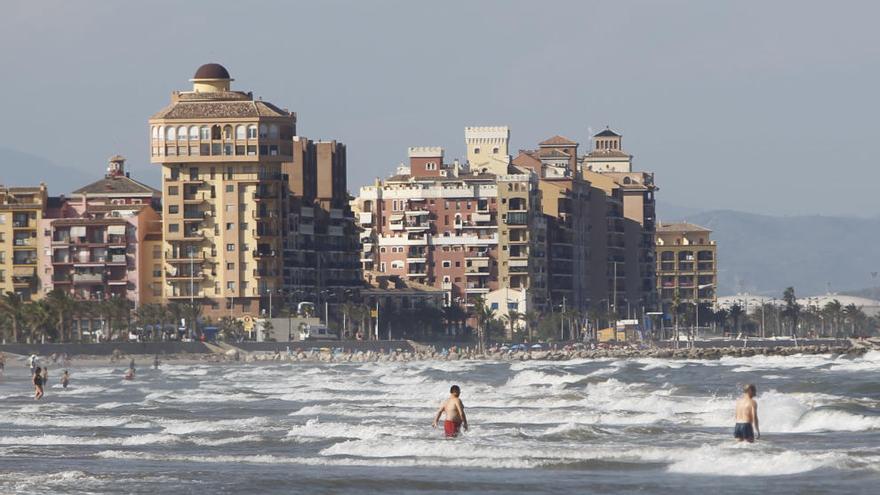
(744, 431)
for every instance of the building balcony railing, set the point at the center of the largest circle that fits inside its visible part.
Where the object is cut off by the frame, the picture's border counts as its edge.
(86, 278)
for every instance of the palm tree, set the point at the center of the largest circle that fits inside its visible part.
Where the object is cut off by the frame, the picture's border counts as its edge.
(511, 319)
(531, 318)
(854, 314)
(60, 305)
(484, 316)
(736, 313)
(35, 317)
(12, 306)
(792, 309)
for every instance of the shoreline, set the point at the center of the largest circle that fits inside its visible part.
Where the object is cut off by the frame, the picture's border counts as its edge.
(420, 352)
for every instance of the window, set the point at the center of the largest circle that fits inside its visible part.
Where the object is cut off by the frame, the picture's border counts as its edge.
(157, 252)
(476, 151)
(173, 227)
(230, 188)
(252, 132)
(157, 270)
(495, 151)
(230, 266)
(458, 264)
(264, 131)
(240, 132)
(172, 190)
(273, 131)
(494, 306)
(173, 209)
(381, 266)
(230, 247)
(181, 133)
(155, 132)
(229, 174)
(230, 226)
(194, 133)
(230, 285)
(170, 134)
(447, 264)
(213, 171)
(204, 133)
(244, 226)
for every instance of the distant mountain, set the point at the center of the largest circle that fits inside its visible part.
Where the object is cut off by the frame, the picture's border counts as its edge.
(869, 293)
(814, 254)
(23, 169)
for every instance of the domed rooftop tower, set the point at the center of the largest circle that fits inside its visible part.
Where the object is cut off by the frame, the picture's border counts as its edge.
(211, 78)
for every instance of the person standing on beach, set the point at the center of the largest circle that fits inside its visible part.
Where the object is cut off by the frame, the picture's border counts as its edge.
(38, 384)
(454, 410)
(746, 428)
(32, 362)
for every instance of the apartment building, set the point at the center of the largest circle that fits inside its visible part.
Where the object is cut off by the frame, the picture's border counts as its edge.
(627, 197)
(322, 245)
(471, 229)
(686, 265)
(93, 245)
(221, 153)
(21, 210)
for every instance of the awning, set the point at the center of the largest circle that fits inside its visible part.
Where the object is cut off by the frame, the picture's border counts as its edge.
(116, 230)
(24, 271)
(396, 218)
(79, 231)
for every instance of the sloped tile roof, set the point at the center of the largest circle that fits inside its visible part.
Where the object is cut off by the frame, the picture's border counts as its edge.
(557, 141)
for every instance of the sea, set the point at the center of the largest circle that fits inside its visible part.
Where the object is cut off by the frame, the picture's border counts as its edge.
(585, 426)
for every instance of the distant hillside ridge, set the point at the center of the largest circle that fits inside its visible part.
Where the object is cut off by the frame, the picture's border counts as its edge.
(814, 254)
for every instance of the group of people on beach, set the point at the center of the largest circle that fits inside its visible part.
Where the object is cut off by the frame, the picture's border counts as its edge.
(745, 428)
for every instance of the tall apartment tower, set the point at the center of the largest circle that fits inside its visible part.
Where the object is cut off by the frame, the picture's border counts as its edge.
(631, 221)
(221, 153)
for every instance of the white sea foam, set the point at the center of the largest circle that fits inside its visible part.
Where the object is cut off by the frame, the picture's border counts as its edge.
(530, 378)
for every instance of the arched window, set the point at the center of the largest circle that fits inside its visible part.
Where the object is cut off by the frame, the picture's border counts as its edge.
(227, 132)
(494, 151)
(240, 132)
(216, 132)
(252, 132)
(264, 131)
(161, 132)
(204, 133)
(181, 133)
(155, 131)
(273, 131)
(627, 180)
(194, 133)
(170, 134)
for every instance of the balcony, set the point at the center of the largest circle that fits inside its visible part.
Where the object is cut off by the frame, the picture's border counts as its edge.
(117, 259)
(184, 276)
(88, 278)
(481, 217)
(257, 253)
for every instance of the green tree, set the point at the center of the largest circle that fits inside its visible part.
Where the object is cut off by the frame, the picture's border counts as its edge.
(792, 310)
(60, 306)
(13, 307)
(531, 318)
(36, 317)
(736, 313)
(483, 315)
(511, 319)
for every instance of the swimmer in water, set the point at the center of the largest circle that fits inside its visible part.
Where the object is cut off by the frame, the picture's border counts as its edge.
(38, 384)
(746, 428)
(46, 376)
(454, 410)
(65, 379)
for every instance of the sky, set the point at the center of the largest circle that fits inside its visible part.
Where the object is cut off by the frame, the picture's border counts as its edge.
(766, 107)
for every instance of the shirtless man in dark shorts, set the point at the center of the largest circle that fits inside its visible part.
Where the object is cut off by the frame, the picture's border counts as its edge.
(746, 428)
(455, 417)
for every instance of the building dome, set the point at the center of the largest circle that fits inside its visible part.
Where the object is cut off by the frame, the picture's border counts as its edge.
(212, 71)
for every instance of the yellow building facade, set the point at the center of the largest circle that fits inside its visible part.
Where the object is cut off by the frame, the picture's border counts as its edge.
(21, 209)
(221, 153)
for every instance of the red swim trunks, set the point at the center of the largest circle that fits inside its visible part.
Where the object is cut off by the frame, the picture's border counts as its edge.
(452, 428)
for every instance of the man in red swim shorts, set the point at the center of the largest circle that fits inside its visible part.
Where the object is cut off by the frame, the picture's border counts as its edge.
(455, 417)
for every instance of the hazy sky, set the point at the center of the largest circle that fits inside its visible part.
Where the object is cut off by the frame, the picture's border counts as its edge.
(759, 106)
